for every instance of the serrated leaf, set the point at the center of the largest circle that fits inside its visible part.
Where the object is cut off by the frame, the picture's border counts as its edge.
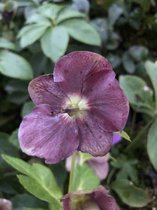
(84, 32)
(54, 42)
(18, 164)
(37, 172)
(17, 67)
(152, 144)
(38, 190)
(130, 194)
(6, 44)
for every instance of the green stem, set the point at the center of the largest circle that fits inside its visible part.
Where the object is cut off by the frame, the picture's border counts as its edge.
(72, 174)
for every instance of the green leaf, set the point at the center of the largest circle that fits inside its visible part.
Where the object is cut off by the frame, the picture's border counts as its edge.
(13, 139)
(27, 108)
(130, 194)
(82, 31)
(26, 201)
(36, 174)
(50, 10)
(128, 63)
(152, 144)
(124, 135)
(54, 42)
(138, 53)
(31, 33)
(17, 67)
(115, 12)
(38, 190)
(68, 14)
(138, 93)
(85, 178)
(6, 44)
(18, 164)
(151, 69)
(36, 18)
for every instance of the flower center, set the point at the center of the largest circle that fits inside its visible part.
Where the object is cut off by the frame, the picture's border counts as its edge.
(83, 202)
(76, 106)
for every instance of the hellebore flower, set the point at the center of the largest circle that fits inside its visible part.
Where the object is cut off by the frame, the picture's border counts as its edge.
(78, 108)
(5, 204)
(99, 199)
(100, 165)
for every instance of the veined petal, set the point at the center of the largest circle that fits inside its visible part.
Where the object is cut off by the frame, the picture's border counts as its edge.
(99, 199)
(93, 139)
(53, 138)
(105, 201)
(72, 70)
(108, 104)
(43, 90)
(100, 165)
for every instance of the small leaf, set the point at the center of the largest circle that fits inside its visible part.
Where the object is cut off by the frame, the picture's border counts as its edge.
(50, 10)
(130, 194)
(85, 178)
(138, 93)
(17, 67)
(128, 63)
(152, 144)
(84, 32)
(13, 139)
(138, 53)
(31, 33)
(124, 135)
(115, 11)
(151, 69)
(54, 42)
(68, 14)
(6, 44)
(27, 108)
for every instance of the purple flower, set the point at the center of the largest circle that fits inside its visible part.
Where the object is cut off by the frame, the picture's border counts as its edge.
(99, 199)
(5, 204)
(78, 108)
(116, 138)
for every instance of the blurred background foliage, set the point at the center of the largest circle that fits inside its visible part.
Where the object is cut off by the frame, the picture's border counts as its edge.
(34, 34)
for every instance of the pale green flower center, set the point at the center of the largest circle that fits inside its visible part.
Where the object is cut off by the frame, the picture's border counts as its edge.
(76, 106)
(83, 202)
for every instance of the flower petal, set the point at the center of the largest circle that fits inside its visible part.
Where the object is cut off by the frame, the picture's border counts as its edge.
(43, 90)
(99, 199)
(105, 201)
(53, 138)
(93, 139)
(107, 102)
(116, 138)
(100, 165)
(73, 69)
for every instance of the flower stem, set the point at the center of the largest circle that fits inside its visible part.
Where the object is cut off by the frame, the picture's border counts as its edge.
(72, 174)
